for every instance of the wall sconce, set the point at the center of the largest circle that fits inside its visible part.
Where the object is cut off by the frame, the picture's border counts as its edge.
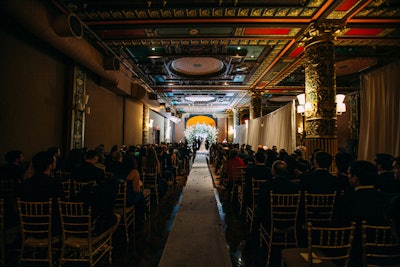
(151, 121)
(340, 106)
(82, 105)
(304, 107)
(246, 122)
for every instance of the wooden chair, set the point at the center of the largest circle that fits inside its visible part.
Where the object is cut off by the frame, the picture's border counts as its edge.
(281, 230)
(62, 175)
(150, 181)
(77, 186)
(255, 187)
(78, 242)
(127, 213)
(147, 197)
(380, 246)
(327, 246)
(66, 184)
(319, 208)
(238, 179)
(36, 220)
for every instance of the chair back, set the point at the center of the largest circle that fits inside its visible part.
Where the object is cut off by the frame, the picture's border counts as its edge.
(150, 177)
(331, 244)
(284, 210)
(319, 208)
(8, 187)
(380, 246)
(62, 175)
(127, 212)
(35, 218)
(76, 220)
(255, 188)
(78, 186)
(66, 185)
(239, 174)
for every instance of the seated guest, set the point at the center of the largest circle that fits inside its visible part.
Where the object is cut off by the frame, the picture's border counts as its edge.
(393, 208)
(11, 175)
(279, 184)
(134, 195)
(320, 180)
(385, 180)
(342, 161)
(42, 187)
(87, 171)
(13, 168)
(232, 162)
(364, 203)
(100, 196)
(258, 171)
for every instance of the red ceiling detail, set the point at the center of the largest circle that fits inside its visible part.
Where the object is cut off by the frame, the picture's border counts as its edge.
(296, 52)
(120, 33)
(364, 32)
(266, 31)
(346, 5)
(261, 84)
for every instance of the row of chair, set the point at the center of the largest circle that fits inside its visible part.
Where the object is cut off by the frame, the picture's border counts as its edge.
(326, 245)
(78, 244)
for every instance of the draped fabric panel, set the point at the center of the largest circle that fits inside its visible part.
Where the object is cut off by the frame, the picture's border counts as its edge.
(241, 134)
(380, 112)
(277, 128)
(280, 128)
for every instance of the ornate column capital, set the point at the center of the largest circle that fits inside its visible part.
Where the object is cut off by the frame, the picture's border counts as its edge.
(256, 93)
(321, 31)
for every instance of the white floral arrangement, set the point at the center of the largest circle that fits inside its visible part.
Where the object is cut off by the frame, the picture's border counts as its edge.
(201, 129)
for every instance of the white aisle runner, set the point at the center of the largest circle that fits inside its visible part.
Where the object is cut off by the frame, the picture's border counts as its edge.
(197, 237)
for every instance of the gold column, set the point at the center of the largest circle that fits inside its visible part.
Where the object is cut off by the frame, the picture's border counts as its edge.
(255, 104)
(231, 127)
(320, 87)
(145, 121)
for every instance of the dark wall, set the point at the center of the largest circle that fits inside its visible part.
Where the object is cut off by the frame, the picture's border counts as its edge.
(32, 93)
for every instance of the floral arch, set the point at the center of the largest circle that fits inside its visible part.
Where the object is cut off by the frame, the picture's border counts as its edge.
(210, 132)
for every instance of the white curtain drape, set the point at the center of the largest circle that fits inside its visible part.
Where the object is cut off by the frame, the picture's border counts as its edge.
(278, 128)
(380, 112)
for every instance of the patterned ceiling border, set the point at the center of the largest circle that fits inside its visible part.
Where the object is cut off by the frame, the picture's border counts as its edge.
(178, 13)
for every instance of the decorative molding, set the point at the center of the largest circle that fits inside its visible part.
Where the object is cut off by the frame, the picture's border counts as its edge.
(78, 118)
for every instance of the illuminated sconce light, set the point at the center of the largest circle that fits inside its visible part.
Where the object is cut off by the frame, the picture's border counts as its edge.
(246, 122)
(151, 121)
(303, 106)
(81, 106)
(340, 106)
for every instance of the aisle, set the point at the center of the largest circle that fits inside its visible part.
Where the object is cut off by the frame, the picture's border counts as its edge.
(197, 237)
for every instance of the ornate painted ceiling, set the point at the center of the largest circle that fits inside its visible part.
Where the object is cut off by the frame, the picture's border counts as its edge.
(206, 56)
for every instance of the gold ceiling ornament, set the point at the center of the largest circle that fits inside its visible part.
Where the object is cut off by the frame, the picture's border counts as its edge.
(327, 30)
(149, 4)
(164, 3)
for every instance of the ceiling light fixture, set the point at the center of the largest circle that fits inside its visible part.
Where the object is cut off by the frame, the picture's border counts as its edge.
(199, 98)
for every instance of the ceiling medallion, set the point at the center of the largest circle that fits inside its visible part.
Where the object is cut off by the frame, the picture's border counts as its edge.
(197, 66)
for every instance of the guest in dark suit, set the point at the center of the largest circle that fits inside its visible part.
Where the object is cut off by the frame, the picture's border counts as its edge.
(364, 203)
(42, 187)
(87, 171)
(320, 180)
(260, 172)
(342, 161)
(385, 180)
(278, 184)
